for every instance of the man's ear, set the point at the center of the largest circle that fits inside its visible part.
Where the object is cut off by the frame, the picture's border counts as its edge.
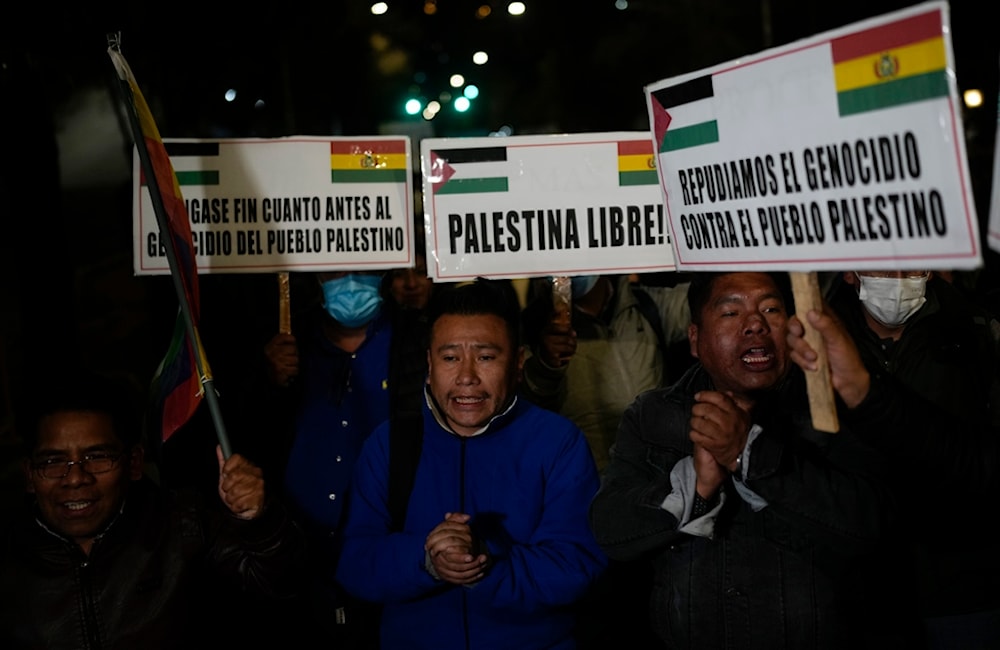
(136, 457)
(693, 339)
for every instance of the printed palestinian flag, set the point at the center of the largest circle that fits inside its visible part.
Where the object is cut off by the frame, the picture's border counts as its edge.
(191, 154)
(368, 161)
(636, 163)
(684, 115)
(199, 154)
(469, 171)
(891, 64)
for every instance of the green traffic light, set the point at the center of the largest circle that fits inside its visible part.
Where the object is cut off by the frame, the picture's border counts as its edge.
(413, 106)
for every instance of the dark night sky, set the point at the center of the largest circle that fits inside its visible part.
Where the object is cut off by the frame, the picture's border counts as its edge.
(570, 66)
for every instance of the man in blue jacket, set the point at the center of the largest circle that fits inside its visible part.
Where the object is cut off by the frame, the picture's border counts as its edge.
(495, 546)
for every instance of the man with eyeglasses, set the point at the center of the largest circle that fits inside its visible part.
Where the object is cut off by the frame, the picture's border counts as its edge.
(941, 345)
(102, 557)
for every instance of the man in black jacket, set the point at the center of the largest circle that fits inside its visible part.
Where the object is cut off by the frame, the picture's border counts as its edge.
(102, 557)
(761, 528)
(942, 345)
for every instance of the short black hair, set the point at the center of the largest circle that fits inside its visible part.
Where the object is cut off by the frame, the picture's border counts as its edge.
(701, 288)
(483, 296)
(83, 389)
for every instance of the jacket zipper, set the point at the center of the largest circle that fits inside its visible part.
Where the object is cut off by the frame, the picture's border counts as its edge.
(461, 501)
(91, 628)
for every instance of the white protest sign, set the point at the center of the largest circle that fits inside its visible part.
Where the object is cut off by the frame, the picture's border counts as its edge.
(531, 206)
(993, 230)
(842, 151)
(287, 204)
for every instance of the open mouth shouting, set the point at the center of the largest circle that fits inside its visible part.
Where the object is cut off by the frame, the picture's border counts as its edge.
(758, 358)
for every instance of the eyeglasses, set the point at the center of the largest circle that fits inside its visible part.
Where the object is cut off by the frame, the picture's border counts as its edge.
(91, 463)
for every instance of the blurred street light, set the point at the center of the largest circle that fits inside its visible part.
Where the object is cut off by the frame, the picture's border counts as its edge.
(973, 98)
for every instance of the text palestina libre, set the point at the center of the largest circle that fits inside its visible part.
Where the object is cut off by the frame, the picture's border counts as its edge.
(555, 229)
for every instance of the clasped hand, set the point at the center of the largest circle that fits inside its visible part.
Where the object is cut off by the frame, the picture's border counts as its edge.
(720, 423)
(452, 550)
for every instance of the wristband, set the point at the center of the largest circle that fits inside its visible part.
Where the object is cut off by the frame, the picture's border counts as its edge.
(702, 507)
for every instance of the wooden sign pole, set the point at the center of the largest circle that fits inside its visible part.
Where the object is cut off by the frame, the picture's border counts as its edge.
(284, 304)
(805, 287)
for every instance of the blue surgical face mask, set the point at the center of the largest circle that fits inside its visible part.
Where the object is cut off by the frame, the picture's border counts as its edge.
(352, 300)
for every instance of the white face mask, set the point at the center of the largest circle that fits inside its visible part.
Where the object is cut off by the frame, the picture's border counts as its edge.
(891, 301)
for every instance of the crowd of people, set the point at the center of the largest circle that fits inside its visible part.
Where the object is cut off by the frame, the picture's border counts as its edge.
(428, 465)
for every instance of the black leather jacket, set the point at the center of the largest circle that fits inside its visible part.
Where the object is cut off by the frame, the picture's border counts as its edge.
(946, 357)
(787, 576)
(147, 578)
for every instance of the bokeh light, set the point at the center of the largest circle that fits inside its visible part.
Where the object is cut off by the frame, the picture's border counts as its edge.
(973, 98)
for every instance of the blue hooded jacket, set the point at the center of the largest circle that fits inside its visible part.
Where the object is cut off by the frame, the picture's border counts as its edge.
(527, 482)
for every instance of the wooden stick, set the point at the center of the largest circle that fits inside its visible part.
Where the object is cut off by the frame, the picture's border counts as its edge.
(562, 296)
(284, 304)
(805, 287)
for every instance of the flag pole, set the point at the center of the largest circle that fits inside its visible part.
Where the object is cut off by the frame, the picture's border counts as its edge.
(204, 372)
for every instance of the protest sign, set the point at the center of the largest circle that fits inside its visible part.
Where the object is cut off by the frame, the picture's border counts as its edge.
(842, 151)
(531, 206)
(286, 204)
(993, 230)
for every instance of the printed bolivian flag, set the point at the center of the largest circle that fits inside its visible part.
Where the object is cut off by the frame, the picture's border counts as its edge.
(636, 163)
(469, 171)
(684, 115)
(891, 64)
(368, 161)
(181, 153)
